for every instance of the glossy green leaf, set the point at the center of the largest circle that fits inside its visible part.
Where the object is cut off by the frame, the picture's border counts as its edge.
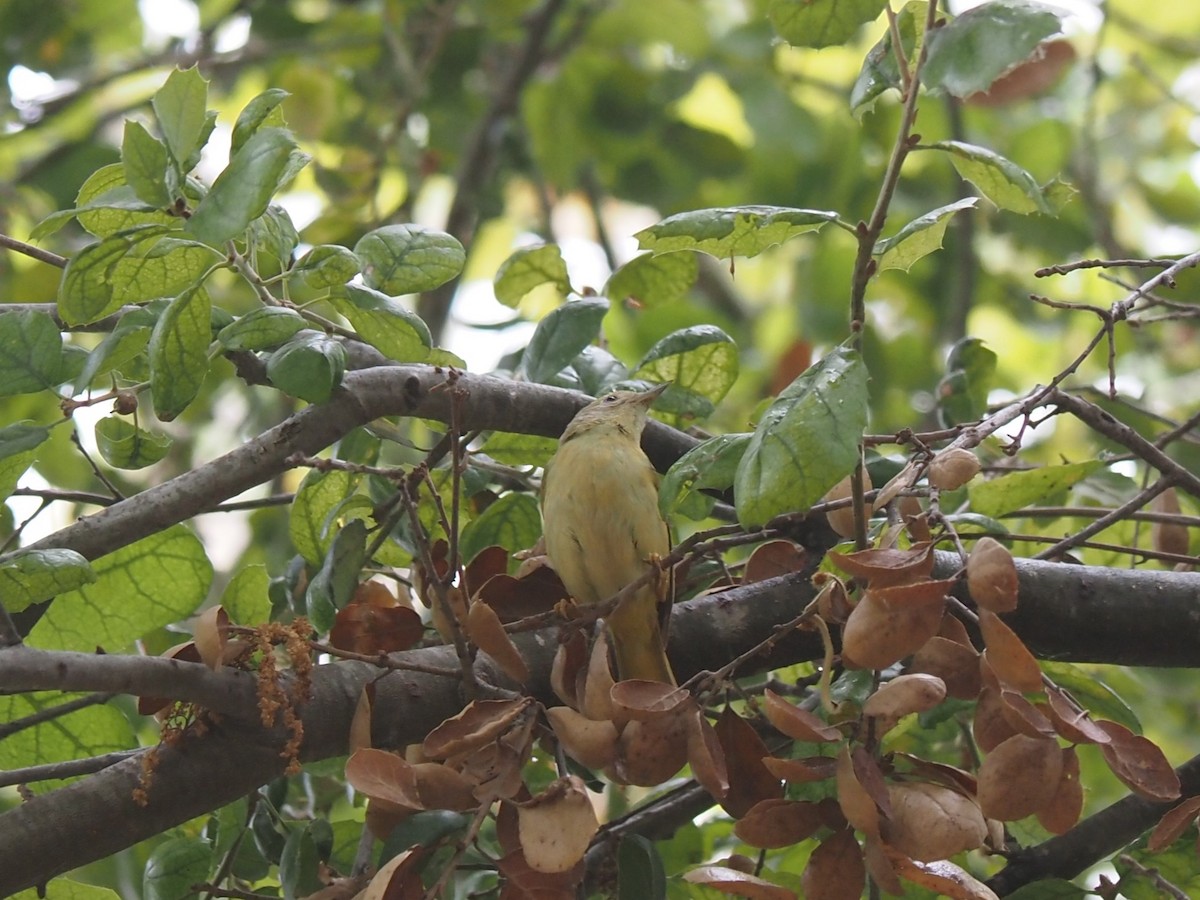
(145, 160)
(125, 446)
(528, 268)
(711, 465)
(179, 352)
(299, 865)
(245, 598)
(146, 585)
(174, 867)
(519, 449)
(180, 106)
(822, 23)
(409, 259)
(308, 366)
(63, 888)
(561, 336)
(33, 576)
(880, 71)
(974, 49)
(319, 495)
(262, 111)
(597, 370)
(512, 522)
(806, 441)
(1097, 697)
(1008, 493)
(242, 191)
(161, 267)
(640, 872)
(920, 237)
(962, 394)
(700, 363)
(126, 341)
(326, 266)
(732, 231)
(651, 279)
(107, 204)
(261, 329)
(1000, 180)
(18, 450)
(30, 353)
(333, 585)
(384, 323)
(274, 233)
(85, 293)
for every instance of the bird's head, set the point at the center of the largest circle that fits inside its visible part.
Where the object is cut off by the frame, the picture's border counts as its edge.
(621, 411)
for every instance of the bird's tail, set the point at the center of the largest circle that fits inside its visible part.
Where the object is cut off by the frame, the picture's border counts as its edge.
(637, 639)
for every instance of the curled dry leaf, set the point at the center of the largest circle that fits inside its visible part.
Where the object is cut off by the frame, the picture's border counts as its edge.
(557, 825)
(1007, 654)
(1019, 777)
(1062, 812)
(1139, 763)
(956, 665)
(939, 773)
(567, 670)
(487, 633)
(1073, 723)
(880, 633)
(598, 681)
(841, 520)
(833, 603)
(524, 881)
(638, 699)
(771, 824)
(398, 878)
(705, 755)
(185, 652)
(858, 805)
(772, 559)
(360, 723)
(374, 621)
(906, 694)
(749, 779)
(943, 878)
(485, 565)
(888, 566)
(930, 822)
(1169, 537)
(1034, 76)
(992, 576)
(952, 468)
(916, 520)
(801, 771)
(835, 869)
(209, 634)
(536, 589)
(879, 865)
(652, 750)
(440, 787)
(796, 722)
(456, 601)
(1025, 717)
(592, 742)
(740, 884)
(479, 723)
(1173, 824)
(990, 726)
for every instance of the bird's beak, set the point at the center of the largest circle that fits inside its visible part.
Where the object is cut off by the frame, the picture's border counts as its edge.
(647, 398)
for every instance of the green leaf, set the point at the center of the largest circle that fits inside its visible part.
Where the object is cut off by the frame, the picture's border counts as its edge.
(245, 597)
(106, 204)
(126, 341)
(179, 352)
(308, 366)
(63, 888)
(319, 495)
(18, 450)
(141, 587)
(920, 237)
(512, 522)
(528, 268)
(963, 393)
(174, 866)
(822, 23)
(701, 364)
(710, 465)
(408, 259)
(261, 329)
(274, 233)
(806, 441)
(33, 576)
(560, 337)
(125, 446)
(597, 370)
(640, 872)
(326, 266)
(333, 585)
(732, 231)
(519, 449)
(1000, 180)
(971, 51)
(263, 110)
(242, 191)
(384, 323)
(652, 279)
(880, 70)
(181, 108)
(30, 353)
(145, 160)
(1097, 697)
(300, 862)
(85, 293)
(1008, 493)
(160, 267)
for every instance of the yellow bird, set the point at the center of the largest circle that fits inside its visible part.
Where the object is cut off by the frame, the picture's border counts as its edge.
(600, 515)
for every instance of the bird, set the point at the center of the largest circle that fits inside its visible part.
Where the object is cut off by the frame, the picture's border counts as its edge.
(602, 525)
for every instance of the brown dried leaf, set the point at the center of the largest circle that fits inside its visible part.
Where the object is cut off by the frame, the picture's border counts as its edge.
(1008, 656)
(835, 869)
(651, 751)
(749, 779)
(557, 825)
(879, 865)
(906, 694)
(598, 682)
(796, 722)
(638, 699)
(881, 568)
(1019, 777)
(456, 600)
(370, 628)
(398, 879)
(833, 603)
(801, 771)
(526, 883)
(944, 878)
(1028, 79)
(185, 652)
(916, 520)
(705, 755)
(1072, 721)
(957, 666)
(772, 559)
(1062, 812)
(360, 723)
(990, 726)
(487, 564)
(858, 805)
(1025, 717)
(939, 773)
(487, 633)
(930, 822)
(1173, 824)
(1169, 537)
(731, 881)
(992, 576)
(593, 743)
(952, 468)
(479, 723)
(440, 787)
(1139, 763)
(381, 775)
(210, 633)
(771, 824)
(878, 634)
(516, 597)
(841, 520)
(567, 670)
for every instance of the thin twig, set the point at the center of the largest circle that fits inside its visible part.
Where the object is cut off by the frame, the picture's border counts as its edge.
(33, 252)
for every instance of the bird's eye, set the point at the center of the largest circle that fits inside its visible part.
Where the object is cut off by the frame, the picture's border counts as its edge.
(611, 398)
